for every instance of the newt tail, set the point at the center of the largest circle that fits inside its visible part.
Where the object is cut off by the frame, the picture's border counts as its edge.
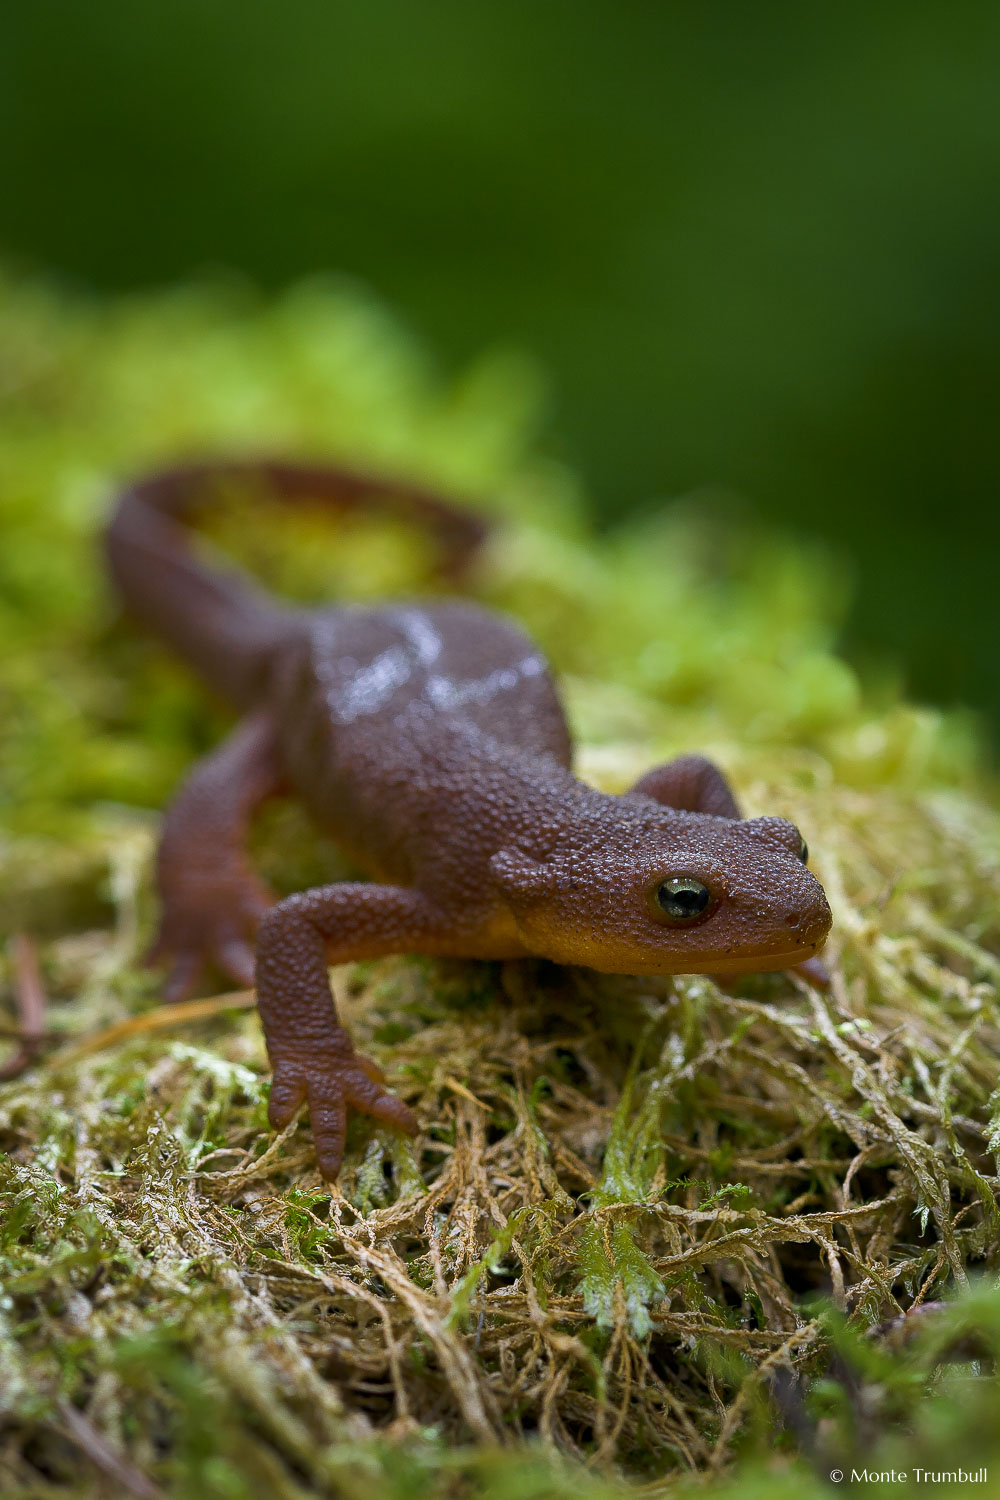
(220, 622)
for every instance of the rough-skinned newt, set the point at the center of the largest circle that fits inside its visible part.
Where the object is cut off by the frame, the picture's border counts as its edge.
(429, 740)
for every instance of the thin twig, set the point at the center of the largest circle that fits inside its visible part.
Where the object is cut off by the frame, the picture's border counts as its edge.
(164, 1019)
(30, 997)
(81, 1431)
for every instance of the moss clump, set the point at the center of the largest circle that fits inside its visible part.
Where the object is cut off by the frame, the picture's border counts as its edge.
(646, 1222)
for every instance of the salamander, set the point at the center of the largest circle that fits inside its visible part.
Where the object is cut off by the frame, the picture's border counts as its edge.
(428, 739)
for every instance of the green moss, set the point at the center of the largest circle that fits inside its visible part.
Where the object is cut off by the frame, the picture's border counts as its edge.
(644, 1219)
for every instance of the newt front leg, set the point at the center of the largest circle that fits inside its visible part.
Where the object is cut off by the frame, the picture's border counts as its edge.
(313, 1057)
(691, 784)
(211, 899)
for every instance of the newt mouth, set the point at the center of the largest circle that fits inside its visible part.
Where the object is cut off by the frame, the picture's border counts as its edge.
(759, 963)
(724, 964)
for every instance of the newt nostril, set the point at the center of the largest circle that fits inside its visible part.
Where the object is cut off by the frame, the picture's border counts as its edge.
(793, 919)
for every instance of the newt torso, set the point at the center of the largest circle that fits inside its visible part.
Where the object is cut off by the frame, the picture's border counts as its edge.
(421, 736)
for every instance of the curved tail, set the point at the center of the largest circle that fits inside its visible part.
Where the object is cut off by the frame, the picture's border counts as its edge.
(219, 621)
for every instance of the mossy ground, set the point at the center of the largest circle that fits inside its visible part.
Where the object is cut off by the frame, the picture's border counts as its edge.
(652, 1233)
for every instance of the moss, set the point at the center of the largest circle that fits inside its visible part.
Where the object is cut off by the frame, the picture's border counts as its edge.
(646, 1222)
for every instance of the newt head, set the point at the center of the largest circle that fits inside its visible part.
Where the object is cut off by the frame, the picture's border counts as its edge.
(669, 893)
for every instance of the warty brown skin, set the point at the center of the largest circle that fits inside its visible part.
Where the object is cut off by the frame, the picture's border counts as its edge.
(429, 740)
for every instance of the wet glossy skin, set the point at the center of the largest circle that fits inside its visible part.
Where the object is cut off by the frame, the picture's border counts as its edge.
(429, 740)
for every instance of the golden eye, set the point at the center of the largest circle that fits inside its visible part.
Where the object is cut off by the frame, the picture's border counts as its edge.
(682, 898)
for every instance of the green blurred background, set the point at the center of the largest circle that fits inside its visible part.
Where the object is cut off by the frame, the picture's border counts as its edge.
(755, 246)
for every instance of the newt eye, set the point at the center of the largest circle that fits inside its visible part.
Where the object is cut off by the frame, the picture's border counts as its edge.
(682, 898)
(803, 850)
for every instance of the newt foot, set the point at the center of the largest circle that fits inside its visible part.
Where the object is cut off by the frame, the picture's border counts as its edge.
(814, 971)
(331, 1077)
(220, 931)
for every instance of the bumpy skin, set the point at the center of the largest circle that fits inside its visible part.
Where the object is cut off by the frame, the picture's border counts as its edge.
(429, 740)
